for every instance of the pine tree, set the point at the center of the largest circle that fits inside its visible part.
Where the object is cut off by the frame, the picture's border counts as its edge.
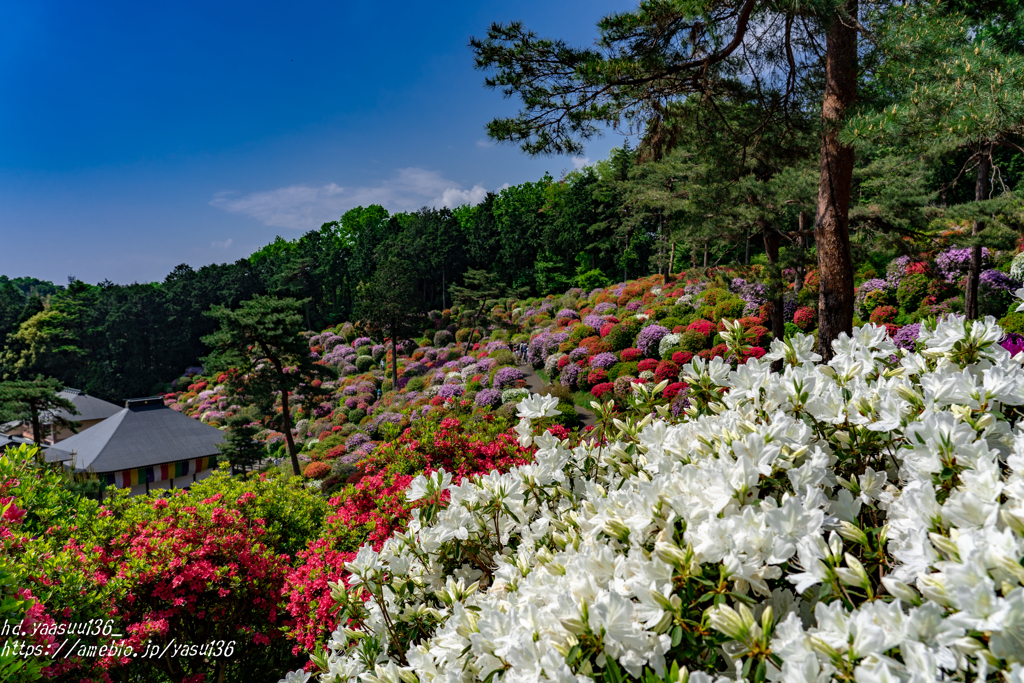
(34, 400)
(955, 95)
(261, 346)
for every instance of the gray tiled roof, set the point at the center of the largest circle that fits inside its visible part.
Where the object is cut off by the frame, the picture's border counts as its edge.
(89, 407)
(143, 434)
(50, 453)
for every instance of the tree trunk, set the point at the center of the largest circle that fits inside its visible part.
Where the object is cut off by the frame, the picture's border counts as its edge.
(37, 426)
(672, 258)
(974, 274)
(394, 361)
(746, 254)
(798, 278)
(832, 224)
(771, 248)
(705, 253)
(286, 420)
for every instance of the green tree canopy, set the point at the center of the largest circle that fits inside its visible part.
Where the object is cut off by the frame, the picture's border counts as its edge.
(261, 346)
(34, 401)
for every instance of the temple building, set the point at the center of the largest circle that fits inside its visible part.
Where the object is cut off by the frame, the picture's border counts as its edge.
(144, 446)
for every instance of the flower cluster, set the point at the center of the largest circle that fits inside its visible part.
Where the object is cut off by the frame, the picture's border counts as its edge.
(649, 338)
(860, 520)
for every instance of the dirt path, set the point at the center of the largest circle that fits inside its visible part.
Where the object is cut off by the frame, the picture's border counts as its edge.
(534, 383)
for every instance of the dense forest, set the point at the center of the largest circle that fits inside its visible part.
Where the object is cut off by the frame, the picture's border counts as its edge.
(755, 152)
(610, 222)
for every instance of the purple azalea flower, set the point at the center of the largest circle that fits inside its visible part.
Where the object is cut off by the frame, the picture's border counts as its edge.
(506, 377)
(1014, 343)
(907, 336)
(647, 340)
(488, 398)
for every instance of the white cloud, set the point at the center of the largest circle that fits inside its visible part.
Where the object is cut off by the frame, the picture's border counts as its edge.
(222, 245)
(580, 162)
(485, 143)
(302, 207)
(453, 197)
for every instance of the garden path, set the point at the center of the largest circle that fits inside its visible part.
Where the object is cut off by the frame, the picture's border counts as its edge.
(534, 383)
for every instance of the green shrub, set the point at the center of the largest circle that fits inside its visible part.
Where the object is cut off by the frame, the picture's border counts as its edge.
(912, 290)
(1012, 323)
(385, 386)
(791, 330)
(502, 357)
(416, 384)
(364, 363)
(620, 369)
(579, 332)
(668, 352)
(443, 338)
(507, 411)
(462, 335)
(562, 393)
(568, 418)
(692, 341)
(671, 322)
(356, 415)
(592, 279)
(348, 332)
(685, 318)
(365, 350)
(620, 337)
(729, 308)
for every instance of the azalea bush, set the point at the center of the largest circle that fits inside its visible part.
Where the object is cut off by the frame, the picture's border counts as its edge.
(375, 507)
(860, 520)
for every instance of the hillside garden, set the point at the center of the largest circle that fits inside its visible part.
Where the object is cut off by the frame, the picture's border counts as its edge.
(742, 402)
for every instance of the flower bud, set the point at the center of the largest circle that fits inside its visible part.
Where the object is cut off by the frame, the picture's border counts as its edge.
(852, 533)
(725, 620)
(902, 591)
(945, 545)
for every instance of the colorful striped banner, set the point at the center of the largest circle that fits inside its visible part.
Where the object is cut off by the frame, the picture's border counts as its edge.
(148, 475)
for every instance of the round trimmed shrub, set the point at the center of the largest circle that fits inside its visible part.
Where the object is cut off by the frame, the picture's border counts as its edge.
(630, 354)
(884, 314)
(692, 341)
(805, 317)
(666, 370)
(729, 308)
(364, 363)
(443, 338)
(1012, 323)
(620, 369)
(620, 337)
(581, 331)
(623, 386)
(356, 415)
(502, 357)
(462, 335)
(316, 470)
(912, 291)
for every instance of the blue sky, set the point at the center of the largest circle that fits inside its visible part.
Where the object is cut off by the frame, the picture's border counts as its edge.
(137, 136)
